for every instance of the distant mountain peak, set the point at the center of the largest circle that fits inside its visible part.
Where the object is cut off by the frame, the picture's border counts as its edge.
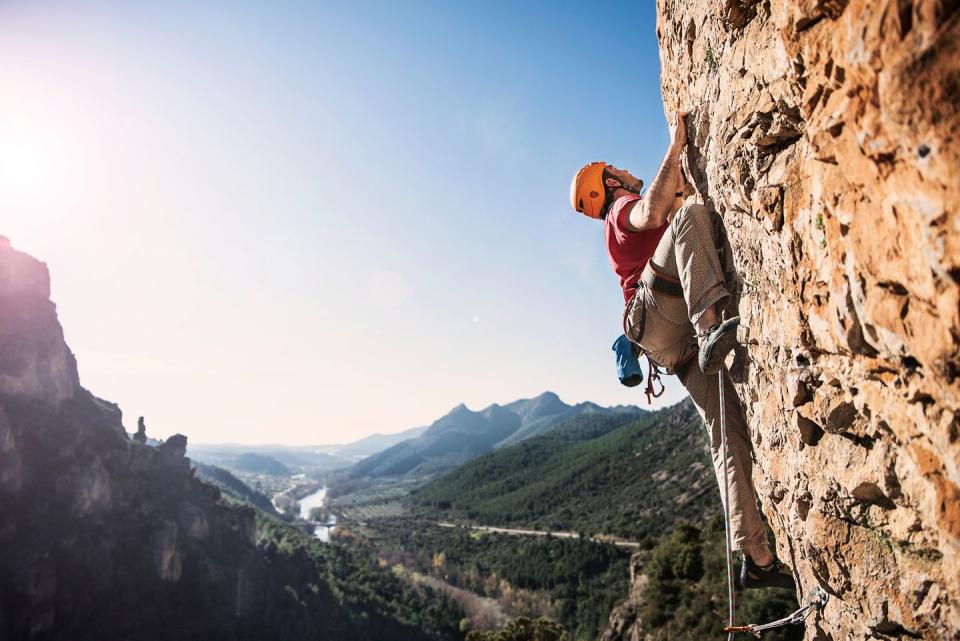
(545, 404)
(593, 406)
(459, 409)
(463, 434)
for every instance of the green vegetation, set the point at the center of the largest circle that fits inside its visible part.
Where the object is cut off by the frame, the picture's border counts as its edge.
(306, 586)
(711, 60)
(593, 474)
(375, 604)
(686, 594)
(261, 464)
(233, 488)
(463, 434)
(524, 629)
(822, 227)
(349, 497)
(406, 578)
(576, 582)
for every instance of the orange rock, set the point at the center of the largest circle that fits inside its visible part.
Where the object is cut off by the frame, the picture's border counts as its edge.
(826, 136)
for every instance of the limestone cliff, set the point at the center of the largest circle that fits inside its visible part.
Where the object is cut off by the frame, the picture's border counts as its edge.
(824, 133)
(35, 360)
(102, 537)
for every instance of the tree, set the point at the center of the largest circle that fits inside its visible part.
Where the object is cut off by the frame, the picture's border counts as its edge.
(523, 629)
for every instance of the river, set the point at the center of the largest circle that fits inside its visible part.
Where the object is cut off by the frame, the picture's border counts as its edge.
(318, 499)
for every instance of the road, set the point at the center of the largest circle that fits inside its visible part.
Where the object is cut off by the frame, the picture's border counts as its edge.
(620, 543)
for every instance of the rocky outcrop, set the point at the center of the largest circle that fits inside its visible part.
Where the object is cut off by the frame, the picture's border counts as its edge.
(824, 132)
(102, 537)
(625, 622)
(34, 359)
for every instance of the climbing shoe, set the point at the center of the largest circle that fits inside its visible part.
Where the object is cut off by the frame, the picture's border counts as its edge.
(775, 575)
(715, 343)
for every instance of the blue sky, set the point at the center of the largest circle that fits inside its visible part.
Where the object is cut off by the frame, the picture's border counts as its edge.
(306, 222)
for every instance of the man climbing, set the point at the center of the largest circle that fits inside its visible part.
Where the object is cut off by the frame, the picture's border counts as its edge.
(665, 255)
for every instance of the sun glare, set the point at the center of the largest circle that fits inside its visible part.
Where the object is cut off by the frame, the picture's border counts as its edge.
(42, 169)
(26, 157)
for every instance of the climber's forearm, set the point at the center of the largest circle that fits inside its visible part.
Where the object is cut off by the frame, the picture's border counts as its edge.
(652, 211)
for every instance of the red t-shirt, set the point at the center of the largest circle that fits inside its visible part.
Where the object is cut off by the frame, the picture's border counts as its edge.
(629, 251)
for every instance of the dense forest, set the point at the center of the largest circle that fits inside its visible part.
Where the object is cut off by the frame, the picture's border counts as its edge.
(233, 489)
(376, 604)
(575, 582)
(301, 585)
(685, 598)
(523, 629)
(592, 474)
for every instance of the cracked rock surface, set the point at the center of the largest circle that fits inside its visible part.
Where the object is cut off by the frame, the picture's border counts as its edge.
(824, 133)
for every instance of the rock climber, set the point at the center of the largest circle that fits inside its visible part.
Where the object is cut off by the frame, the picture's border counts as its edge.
(664, 252)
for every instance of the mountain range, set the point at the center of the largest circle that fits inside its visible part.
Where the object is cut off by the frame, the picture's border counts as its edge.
(463, 434)
(299, 458)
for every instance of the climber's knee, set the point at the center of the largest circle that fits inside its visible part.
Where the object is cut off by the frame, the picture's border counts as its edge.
(693, 214)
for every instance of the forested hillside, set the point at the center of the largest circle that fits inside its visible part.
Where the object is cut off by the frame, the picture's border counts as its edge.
(593, 473)
(232, 487)
(679, 587)
(572, 581)
(375, 602)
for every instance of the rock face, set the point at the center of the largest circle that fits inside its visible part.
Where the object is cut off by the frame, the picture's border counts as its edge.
(824, 132)
(34, 359)
(625, 623)
(106, 538)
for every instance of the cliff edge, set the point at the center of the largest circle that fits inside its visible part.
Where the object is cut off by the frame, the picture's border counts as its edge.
(105, 538)
(824, 133)
(34, 359)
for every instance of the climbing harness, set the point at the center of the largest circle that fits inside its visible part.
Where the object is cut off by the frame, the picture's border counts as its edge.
(817, 597)
(653, 369)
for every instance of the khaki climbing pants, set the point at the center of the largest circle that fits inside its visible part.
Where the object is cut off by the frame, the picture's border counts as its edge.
(683, 279)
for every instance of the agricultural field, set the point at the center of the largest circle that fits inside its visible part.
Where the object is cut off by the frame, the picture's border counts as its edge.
(372, 511)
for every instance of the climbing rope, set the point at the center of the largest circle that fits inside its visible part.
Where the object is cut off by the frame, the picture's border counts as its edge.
(731, 609)
(817, 597)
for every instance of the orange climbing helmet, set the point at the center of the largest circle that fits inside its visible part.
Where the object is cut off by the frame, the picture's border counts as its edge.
(587, 192)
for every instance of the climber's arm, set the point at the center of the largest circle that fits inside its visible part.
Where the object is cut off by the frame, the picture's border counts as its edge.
(652, 210)
(683, 190)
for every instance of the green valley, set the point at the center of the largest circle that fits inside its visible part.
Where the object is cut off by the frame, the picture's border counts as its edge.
(596, 474)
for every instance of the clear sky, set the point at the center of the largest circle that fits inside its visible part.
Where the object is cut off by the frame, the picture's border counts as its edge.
(304, 222)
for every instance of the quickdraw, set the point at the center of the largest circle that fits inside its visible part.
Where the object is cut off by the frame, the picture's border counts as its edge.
(815, 601)
(653, 375)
